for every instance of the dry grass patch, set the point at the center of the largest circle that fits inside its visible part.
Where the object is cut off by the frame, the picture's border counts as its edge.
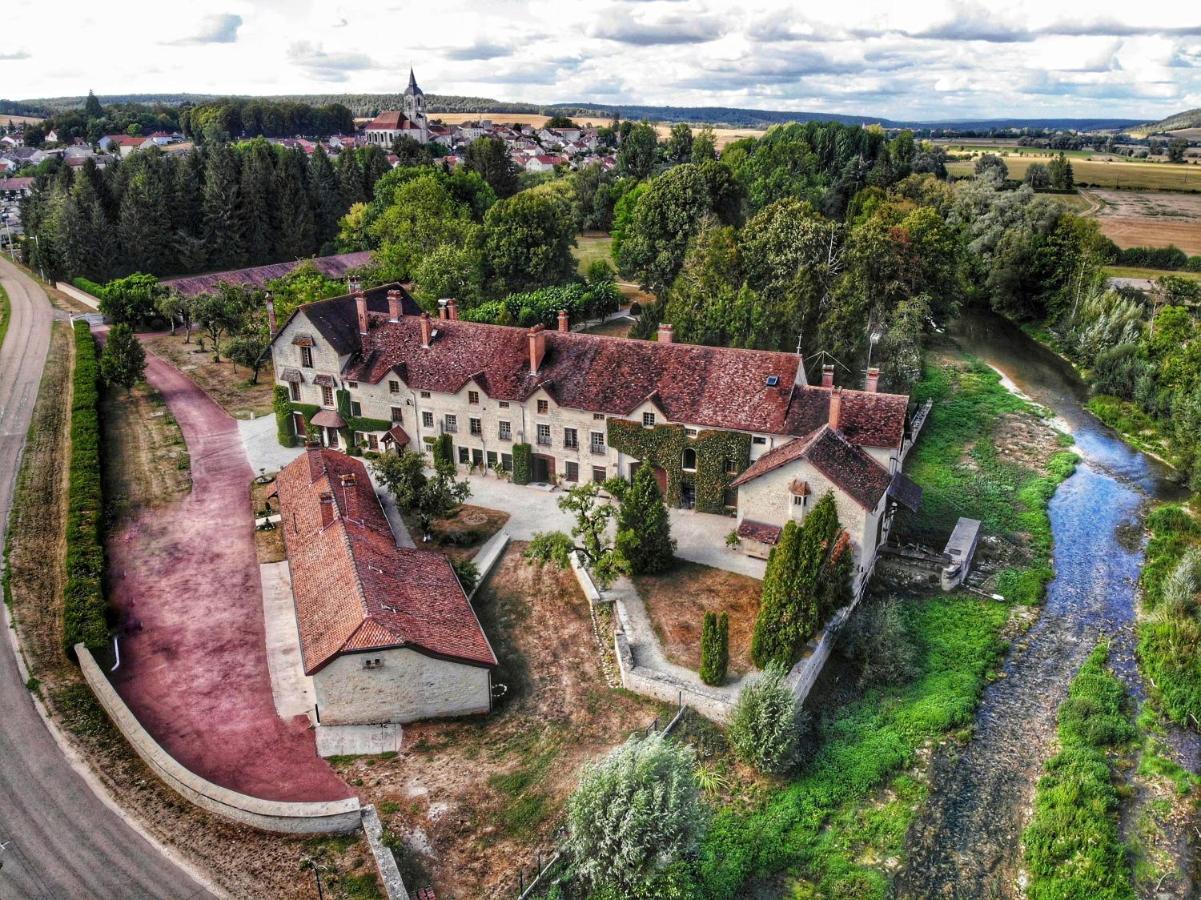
(146, 460)
(462, 535)
(612, 328)
(227, 384)
(471, 800)
(268, 542)
(1120, 174)
(678, 600)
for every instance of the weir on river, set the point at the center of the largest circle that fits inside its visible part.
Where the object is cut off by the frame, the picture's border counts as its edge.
(967, 842)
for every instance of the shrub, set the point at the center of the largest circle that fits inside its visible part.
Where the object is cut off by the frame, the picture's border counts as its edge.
(88, 286)
(443, 450)
(634, 814)
(523, 455)
(468, 574)
(644, 527)
(715, 647)
(878, 643)
(84, 610)
(770, 730)
(282, 404)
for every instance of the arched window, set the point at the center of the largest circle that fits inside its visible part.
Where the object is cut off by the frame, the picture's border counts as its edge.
(688, 461)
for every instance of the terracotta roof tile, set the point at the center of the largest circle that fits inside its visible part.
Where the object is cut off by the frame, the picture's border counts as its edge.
(759, 531)
(354, 588)
(258, 276)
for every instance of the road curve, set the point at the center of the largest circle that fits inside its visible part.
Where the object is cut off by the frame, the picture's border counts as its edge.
(57, 838)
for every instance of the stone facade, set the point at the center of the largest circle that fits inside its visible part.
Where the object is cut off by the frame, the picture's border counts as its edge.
(398, 685)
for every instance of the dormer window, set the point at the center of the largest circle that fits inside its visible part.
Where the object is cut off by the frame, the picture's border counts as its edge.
(543, 407)
(648, 420)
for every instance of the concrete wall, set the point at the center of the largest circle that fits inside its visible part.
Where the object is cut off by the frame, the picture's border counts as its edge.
(270, 815)
(404, 687)
(805, 672)
(663, 687)
(75, 293)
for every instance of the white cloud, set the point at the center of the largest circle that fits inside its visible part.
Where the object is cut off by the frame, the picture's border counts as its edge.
(924, 59)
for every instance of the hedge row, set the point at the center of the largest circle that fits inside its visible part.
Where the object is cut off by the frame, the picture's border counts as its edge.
(89, 286)
(84, 609)
(1172, 258)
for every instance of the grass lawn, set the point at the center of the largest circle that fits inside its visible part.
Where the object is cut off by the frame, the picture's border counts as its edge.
(468, 801)
(839, 829)
(5, 313)
(612, 328)
(1152, 274)
(591, 246)
(1117, 174)
(146, 459)
(678, 600)
(226, 383)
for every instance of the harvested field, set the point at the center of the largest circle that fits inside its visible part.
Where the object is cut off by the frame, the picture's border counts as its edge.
(1124, 174)
(19, 120)
(469, 801)
(1150, 219)
(241, 861)
(678, 600)
(724, 135)
(145, 456)
(227, 384)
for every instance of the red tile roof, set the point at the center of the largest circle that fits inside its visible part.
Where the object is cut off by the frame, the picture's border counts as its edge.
(845, 464)
(354, 589)
(716, 387)
(759, 531)
(257, 276)
(389, 120)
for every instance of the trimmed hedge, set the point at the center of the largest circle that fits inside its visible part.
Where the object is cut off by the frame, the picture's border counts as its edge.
(89, 286)
(282, 404)
(523, 465)
(715, 647)
(1159, 258)
(84, 609)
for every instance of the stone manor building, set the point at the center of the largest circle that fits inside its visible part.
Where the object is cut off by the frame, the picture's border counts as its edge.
(740, 433)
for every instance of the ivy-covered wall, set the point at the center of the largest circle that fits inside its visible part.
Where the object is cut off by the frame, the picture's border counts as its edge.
(523, 455)
(664, 446)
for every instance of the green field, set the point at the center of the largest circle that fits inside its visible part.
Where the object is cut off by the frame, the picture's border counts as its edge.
(1137, 272)
(592, 246)
(1127, 175)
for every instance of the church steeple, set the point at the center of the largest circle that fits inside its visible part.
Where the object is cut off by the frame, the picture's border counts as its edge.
(414, 106)
(412, 89)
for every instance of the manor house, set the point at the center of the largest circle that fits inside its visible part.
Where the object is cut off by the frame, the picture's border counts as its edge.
(740, 433)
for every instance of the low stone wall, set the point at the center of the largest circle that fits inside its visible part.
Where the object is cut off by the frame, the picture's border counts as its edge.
(586, 584)
(663, 687)
(389, 873)
(76, 294)
(488, 556)
(336, 816)
(805, 672)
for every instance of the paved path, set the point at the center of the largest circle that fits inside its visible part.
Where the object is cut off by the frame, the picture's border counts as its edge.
(700, 537)
(196, 674)
(60, 839)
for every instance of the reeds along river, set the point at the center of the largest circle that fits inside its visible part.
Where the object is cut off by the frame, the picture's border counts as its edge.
(967, 842)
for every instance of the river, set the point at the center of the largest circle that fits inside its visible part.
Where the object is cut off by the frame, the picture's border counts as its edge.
(968, 839)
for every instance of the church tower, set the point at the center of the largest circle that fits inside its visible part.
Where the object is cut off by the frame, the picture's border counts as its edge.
(414, 103)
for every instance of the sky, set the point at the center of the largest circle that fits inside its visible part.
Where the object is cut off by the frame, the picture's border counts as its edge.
(933, 60)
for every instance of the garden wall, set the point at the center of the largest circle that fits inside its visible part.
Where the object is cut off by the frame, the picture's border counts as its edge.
(76, 294)
(338, 816)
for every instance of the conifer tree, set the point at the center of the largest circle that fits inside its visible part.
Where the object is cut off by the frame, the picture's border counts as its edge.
(123, 361)
(644, 527)
(294, 237)
(259, 207)
(327, 199)
(375, 166)
(350, 179)
(770, 641)
(224, 225)
(145, 225)
(715, 647)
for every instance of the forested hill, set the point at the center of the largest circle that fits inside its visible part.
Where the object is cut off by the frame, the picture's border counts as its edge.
(370, 104)
(1190, 118)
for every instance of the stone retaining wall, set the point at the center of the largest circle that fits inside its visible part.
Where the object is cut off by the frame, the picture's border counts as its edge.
(75, 293)
(336, 816)
(663, 687)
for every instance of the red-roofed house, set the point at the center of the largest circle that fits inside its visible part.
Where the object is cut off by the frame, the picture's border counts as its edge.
(386, 633)
(734, 428)
(411, 121)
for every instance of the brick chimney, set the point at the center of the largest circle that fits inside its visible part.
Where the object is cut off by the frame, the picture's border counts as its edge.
(537, 347)
(360, 302)
(452, 308)
(667, 334)
(443, 312)
(349, 480)
(563, 323)
(426, 328)
(828, 375)
(835, 407)
(327, 508)
(271, 314)
(873, 380)
(394, 306)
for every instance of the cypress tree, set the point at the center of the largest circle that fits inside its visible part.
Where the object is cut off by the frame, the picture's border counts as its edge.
(715, 647)
(770, 641)
(327, 199)
(259, 201)
(221, 207)
(646, 528)
(294, 237)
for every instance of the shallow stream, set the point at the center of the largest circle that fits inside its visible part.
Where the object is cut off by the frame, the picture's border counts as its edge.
(967, 842)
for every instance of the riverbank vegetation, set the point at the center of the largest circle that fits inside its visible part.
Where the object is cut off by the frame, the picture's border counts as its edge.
(1072, 845)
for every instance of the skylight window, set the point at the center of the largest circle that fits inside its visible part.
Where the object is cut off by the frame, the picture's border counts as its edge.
(773, 380)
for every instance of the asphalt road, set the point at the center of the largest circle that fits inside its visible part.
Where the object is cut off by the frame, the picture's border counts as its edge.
(57, 838)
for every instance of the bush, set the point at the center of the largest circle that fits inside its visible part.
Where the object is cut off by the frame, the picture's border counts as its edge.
(443, 450)
(634, 814)
(715, 647)
(878, 643)
(770, 730)
(84, 609)
(88, 286)
(1154, 257)
(582, 301)
(523, 455)
(281, 402)
(468, 574)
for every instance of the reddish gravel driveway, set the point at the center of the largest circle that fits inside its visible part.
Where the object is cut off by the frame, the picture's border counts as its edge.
(196, 673)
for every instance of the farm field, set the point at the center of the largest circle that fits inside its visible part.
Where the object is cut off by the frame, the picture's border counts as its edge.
(1150, 219)
(1148, 274)
(724, 135)
(1123, 175)
(19, 120)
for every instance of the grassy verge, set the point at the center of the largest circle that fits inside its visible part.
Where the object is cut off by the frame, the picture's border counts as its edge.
(1169, 634)
(5, 314)
(1137, 428)
(1152, 274)
(1072, 845)
(839, 829)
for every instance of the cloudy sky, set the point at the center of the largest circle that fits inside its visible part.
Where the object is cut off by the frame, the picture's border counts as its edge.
(918, 59)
